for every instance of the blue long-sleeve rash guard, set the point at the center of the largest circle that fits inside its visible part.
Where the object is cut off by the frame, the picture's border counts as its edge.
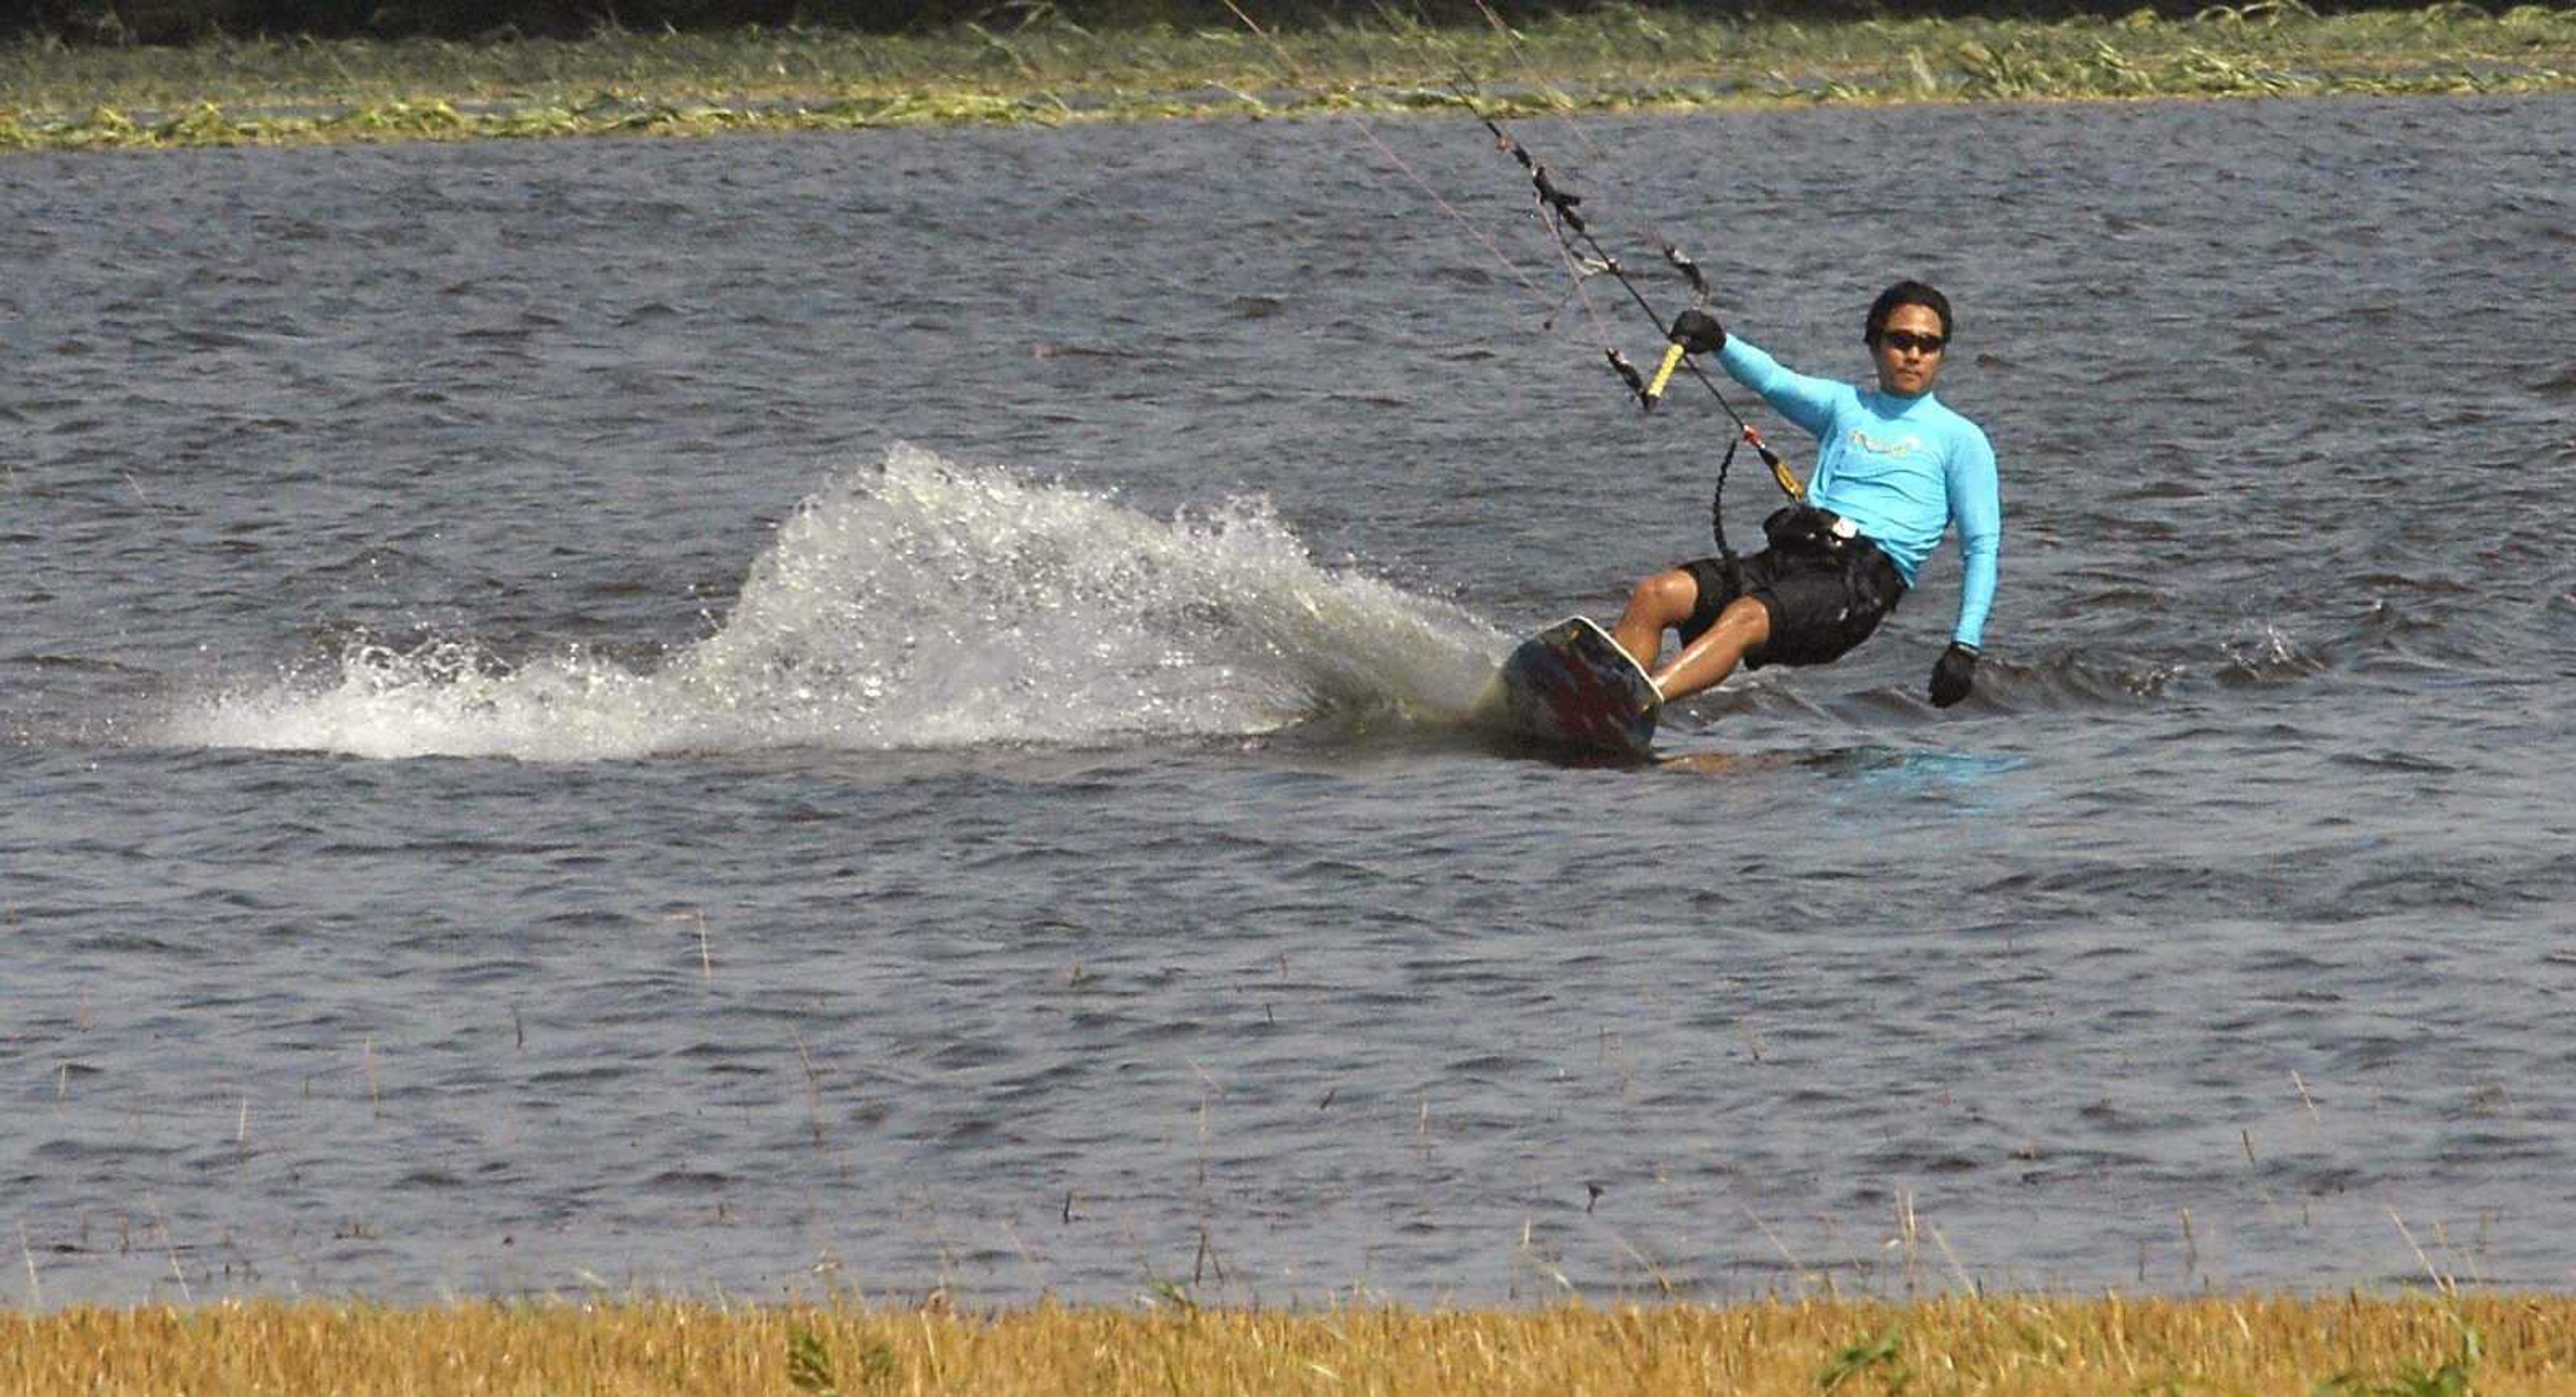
(1901, 469)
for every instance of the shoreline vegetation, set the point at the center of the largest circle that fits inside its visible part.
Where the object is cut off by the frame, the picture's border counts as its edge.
(1049, 70)
(2353, 1346)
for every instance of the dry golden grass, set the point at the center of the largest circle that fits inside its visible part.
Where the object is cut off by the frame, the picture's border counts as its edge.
(2500, 1346)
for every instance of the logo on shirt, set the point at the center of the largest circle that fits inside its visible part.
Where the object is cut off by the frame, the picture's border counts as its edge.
(1900, 448)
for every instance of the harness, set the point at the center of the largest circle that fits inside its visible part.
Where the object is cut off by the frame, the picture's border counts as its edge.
(1821, 539)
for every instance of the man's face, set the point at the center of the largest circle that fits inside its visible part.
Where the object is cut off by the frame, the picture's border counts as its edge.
(1909, 351)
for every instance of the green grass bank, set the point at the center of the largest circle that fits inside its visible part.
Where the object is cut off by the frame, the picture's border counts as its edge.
(54, 97)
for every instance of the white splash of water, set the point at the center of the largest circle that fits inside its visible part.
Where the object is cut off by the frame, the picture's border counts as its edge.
(2268, 653)
(918, 603)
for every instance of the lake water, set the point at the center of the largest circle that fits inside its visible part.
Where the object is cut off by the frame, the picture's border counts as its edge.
(862, 713)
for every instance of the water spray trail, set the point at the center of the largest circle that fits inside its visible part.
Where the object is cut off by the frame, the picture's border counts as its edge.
(918, 603)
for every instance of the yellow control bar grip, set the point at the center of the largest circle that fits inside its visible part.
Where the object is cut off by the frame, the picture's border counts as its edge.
(1664, 373)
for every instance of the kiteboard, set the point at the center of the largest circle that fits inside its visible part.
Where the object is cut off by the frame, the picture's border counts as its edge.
(1571, 686)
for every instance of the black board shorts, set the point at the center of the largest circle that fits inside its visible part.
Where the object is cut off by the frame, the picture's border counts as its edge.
(1823, 601)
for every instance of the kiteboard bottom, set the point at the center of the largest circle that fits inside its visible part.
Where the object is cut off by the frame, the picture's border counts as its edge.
(1572, 686)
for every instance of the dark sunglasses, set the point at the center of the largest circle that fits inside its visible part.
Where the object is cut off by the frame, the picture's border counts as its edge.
(1908, 342)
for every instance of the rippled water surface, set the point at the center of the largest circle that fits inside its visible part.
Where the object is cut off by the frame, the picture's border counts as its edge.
(862, 713)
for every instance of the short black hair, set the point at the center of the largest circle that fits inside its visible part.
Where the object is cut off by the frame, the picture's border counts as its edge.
(1905, 293)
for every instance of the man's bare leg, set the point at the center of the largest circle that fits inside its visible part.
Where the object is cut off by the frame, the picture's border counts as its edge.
(1660, 602)
(1744, 624)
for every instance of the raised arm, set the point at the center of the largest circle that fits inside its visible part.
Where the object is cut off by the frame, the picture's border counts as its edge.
(1809, 402)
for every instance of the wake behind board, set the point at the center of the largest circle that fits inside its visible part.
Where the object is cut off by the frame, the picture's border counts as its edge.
(1571, 686)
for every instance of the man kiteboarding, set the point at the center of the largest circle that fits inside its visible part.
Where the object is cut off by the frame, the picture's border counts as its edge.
(1895, 468)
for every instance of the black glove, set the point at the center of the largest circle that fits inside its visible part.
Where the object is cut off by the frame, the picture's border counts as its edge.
(1954, 674)
(1698, 331)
